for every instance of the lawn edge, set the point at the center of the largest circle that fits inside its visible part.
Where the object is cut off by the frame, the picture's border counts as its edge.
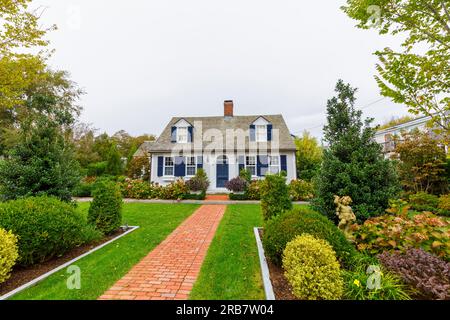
(268, 289)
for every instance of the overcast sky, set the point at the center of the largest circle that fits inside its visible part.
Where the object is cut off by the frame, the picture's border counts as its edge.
(142, 62)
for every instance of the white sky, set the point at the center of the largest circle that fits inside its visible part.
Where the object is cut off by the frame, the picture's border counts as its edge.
(142, 62)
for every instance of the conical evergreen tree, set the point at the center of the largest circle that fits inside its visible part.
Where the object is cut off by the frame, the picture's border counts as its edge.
(353, 164)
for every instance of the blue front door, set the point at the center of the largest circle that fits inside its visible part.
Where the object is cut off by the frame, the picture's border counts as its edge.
(221, 171)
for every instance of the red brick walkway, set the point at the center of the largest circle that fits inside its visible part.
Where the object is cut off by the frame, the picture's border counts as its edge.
(215, 197)
(170, 270)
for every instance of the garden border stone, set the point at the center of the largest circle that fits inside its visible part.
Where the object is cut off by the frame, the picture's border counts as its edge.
(64, 265)
(268, 289)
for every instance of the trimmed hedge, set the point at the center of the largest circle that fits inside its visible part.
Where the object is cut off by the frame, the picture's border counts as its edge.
(283, 228)
(46, 227)
(194, 196)
(105, 211)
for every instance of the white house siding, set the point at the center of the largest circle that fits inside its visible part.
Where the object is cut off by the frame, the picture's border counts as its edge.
(209, 166)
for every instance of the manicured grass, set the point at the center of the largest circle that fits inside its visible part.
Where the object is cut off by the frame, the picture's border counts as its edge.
(231, 268)
(101, 269)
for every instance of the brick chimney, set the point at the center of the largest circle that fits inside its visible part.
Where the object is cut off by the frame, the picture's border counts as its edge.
(228, 108)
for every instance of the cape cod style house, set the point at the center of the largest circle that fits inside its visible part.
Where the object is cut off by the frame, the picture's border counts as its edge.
(222, 146)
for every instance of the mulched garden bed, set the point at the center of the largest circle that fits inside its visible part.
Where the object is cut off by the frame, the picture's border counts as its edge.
(281, 287)
(22, 275)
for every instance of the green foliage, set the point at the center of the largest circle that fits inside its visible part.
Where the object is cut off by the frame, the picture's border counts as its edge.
(136, 189)
(356, 286)
(8, 253)
(422, 201)
(308, 157)
(114, 164)
(45, 226)
(274, 196)
(422, 163)
(97, 169)
(283, 228)
(444, 205)
(194, 196)
(353, 164)
(84, 189)
(41, 163)
(246, 175)
(312, 269)
(301, 190)
(395, 122)
(173, 191)
(105, 211)
(238, 196)
(417, 75)
(400, 232)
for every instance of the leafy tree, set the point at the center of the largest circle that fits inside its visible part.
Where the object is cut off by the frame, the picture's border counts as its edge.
(353, 164)
(41, 163)
(418, 75)
(115, 165)
(139, 168)
(309, 156)
(422, 163)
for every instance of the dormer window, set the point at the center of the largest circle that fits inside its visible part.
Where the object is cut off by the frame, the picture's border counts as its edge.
(261, 133)
(182, 134)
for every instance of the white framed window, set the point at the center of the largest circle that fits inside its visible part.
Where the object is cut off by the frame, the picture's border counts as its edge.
(274, 164)
(182, 134)
(191, 166)
(250, 164)
(169, 166)
(261, 133)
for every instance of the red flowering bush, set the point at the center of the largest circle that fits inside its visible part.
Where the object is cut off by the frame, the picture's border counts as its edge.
(424, 272)
(237, 184)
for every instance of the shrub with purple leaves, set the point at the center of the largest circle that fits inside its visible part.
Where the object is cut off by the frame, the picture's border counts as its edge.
(237, 184)
(422, 271)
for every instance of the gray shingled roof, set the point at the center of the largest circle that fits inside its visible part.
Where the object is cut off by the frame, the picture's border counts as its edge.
(221, 123)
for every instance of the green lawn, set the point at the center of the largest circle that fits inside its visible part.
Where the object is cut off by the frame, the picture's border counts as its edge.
(103, 268)
(231, 269)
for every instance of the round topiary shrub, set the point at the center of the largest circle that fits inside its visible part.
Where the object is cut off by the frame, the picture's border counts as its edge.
(105, 211)
(8, 253)
(282, 229)
(46, 227)
(312, 269)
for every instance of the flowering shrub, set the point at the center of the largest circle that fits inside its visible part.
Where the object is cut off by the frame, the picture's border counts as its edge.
(300, 190)
(237, 184)
(136, 189)
(426, 273)
(173, 191)
(388, 232)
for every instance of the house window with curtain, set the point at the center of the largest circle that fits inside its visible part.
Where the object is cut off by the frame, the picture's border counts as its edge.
(274, 164)
(250, 164)
(169, 166)
(191, 166)
(261, 133)
(182, 135)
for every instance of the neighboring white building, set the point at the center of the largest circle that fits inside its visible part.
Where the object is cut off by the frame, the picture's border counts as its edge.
(385, 137)
(222, 146)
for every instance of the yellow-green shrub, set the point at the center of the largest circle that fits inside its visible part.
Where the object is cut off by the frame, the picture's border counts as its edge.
(312, 269)
(444, 205)
(8, 253)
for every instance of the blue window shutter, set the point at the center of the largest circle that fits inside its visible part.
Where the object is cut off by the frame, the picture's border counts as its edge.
(199, 162)
(190, 134)
(269, 132)
(252, 132)
(180, 167)
(241, 162)
(262, 162)
(174, 134)
(160, 166)
(283, 162)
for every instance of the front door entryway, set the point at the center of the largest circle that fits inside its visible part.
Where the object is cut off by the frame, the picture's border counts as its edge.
(221, 171)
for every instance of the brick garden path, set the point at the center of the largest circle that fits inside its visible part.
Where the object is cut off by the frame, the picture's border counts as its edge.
(170, 270)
